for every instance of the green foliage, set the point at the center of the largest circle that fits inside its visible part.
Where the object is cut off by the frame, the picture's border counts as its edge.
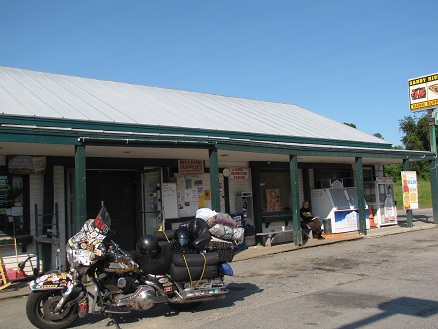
(416, 137)
(393, 170)
(424, 194)
(378, 135)
(416, 132)
(350, 124)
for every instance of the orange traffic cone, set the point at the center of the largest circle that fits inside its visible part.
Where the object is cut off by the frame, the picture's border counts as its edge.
(371, 216)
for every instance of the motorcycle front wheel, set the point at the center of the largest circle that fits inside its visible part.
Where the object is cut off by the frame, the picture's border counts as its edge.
(40, 306)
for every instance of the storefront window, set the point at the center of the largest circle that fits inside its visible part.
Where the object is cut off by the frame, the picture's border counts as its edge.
(325, 177)
(13, 196)
(275, 191)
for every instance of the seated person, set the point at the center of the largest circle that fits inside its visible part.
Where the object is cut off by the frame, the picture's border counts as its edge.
(308, 222)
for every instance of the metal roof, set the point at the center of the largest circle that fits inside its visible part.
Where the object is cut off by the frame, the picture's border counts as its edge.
(45, 95)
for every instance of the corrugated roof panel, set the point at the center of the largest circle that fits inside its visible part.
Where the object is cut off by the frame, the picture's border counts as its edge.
(23, 100)
(143, 106)
(24, 92)
(58, 98)
(173, 106)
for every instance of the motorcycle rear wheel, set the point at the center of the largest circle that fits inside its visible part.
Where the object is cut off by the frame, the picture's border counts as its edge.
(184, 307)
(39, 310)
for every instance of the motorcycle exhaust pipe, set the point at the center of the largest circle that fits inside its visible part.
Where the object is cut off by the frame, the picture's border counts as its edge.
(181, 300)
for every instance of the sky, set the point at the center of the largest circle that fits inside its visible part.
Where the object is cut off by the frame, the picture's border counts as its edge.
(348, 60)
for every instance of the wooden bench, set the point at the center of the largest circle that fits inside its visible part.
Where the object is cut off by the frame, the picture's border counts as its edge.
(269, 237)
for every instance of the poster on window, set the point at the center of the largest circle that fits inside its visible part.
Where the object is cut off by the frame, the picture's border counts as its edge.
(5, 189)
(273, 199)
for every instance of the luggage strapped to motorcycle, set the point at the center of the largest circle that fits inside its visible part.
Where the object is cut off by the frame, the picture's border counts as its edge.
(167, 238)
(188, 271)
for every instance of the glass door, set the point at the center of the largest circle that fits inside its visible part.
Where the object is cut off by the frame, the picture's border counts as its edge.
(152, 209)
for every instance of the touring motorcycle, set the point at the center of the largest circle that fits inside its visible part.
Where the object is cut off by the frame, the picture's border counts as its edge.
(104, 279)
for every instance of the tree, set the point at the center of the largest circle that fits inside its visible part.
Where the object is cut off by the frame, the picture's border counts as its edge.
(378, 135)
(350, 124)
(416, 132)
(416, 137)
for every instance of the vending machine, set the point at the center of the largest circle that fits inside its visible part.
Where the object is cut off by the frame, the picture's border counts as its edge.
(244, 205)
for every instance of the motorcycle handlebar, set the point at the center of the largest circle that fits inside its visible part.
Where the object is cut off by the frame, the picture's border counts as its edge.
(117, 247)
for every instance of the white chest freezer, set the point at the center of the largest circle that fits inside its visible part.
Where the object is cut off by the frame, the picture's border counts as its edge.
(341, 206)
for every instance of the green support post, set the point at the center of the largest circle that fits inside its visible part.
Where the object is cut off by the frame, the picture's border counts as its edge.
(433, 170)
(361, 196)
(433, 165)
(295, 200)
(406, 167)
(214, 181)
(80, 188)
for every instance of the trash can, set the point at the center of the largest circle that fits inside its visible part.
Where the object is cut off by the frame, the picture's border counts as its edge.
(327, 225)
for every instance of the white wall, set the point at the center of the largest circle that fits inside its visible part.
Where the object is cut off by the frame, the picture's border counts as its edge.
(237, 186)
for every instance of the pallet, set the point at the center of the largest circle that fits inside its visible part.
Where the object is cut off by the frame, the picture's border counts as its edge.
(3, 276)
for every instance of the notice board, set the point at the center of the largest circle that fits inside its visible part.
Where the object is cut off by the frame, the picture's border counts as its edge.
(170, 200)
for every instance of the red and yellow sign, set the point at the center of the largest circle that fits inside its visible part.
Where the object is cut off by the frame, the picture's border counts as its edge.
(191, 166)
(423, 92)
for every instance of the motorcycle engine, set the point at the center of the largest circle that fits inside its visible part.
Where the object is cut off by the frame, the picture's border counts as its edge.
(117, 282)
(141, 300)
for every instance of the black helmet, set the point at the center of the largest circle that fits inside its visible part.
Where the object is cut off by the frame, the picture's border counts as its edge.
(182, 239)
(148, 245)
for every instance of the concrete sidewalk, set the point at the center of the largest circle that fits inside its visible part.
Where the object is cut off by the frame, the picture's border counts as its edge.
(422, 220)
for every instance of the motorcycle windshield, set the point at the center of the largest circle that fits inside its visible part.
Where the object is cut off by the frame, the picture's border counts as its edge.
(102, 222)
(87, 246)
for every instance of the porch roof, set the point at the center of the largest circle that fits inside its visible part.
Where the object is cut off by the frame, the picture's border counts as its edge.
(66, 101)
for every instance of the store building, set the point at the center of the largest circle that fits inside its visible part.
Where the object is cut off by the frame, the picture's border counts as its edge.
(155, 155)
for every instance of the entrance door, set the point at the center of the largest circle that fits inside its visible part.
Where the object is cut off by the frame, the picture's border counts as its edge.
(152, 203)
(117, 190)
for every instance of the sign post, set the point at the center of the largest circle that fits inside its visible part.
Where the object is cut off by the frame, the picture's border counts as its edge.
(423, 95)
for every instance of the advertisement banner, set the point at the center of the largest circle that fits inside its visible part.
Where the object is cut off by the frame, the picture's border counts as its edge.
(410, 190)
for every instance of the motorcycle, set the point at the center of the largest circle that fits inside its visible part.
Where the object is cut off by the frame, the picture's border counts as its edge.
(104, 279)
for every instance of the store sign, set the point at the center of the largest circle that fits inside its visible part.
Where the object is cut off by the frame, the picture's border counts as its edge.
(191, 166)
(410, 190)
(23, 164)
(423, 92)
(239, 173)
